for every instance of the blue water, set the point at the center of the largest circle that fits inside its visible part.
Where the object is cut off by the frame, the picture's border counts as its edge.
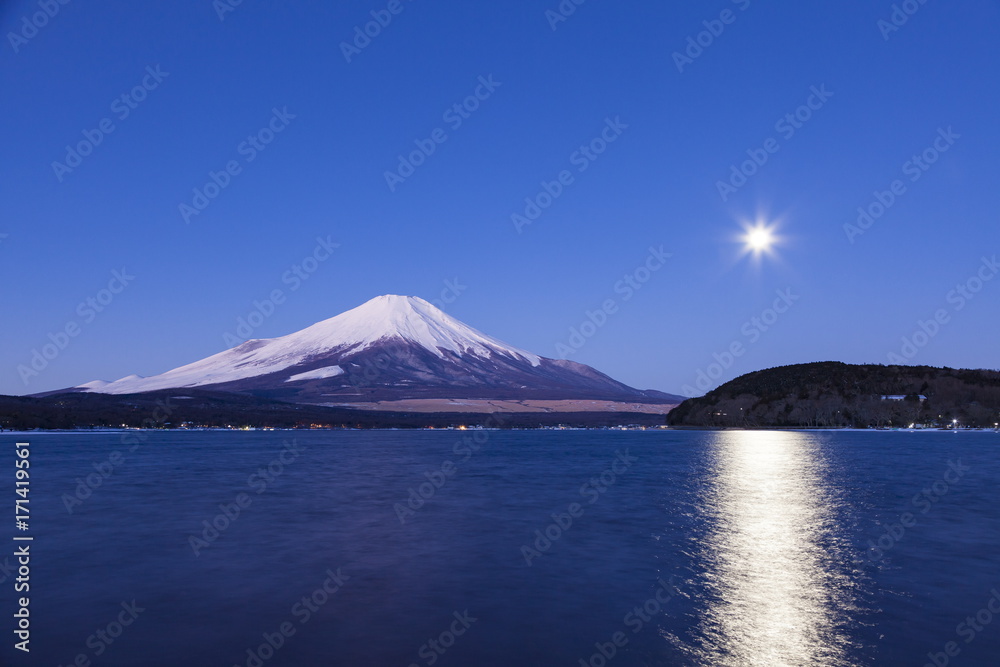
(696, 548)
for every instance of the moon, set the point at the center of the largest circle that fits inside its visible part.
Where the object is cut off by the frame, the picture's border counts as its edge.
(759, 239)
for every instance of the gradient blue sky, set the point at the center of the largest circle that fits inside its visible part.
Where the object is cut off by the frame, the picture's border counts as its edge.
(655, 185)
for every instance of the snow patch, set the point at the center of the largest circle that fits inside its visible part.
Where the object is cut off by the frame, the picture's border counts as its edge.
(95, 385)
(318, 374)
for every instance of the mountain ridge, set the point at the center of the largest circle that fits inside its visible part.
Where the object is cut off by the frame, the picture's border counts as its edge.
(391, 348)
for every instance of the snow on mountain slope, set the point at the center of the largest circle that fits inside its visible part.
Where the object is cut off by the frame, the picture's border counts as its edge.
(409, 318)
(94, 385)
(318, 374)
(384, 318)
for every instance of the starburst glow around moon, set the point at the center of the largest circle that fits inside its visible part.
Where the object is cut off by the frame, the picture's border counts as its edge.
(758, 239)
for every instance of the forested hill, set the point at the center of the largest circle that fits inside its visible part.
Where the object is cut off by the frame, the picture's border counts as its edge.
(831, 394)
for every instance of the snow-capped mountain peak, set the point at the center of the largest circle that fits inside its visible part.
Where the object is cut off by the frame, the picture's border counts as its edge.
(384, 319)
(408, 318)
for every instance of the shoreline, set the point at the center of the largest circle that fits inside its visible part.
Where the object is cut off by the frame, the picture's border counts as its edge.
(55, 431)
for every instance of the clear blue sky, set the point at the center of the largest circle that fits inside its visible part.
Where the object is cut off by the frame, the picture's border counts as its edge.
(656, 184)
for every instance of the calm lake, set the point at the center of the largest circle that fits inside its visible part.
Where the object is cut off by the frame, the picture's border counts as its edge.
(510, 548)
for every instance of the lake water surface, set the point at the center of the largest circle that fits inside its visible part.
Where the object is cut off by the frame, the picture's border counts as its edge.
(511, 548)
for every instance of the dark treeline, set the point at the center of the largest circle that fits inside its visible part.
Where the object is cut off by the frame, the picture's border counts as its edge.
(834, 394)
(172, 408)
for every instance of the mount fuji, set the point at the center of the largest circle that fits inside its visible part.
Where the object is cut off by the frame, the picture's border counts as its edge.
(399, 353)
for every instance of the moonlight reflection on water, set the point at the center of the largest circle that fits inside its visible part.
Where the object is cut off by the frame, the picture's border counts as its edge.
(777, 593)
